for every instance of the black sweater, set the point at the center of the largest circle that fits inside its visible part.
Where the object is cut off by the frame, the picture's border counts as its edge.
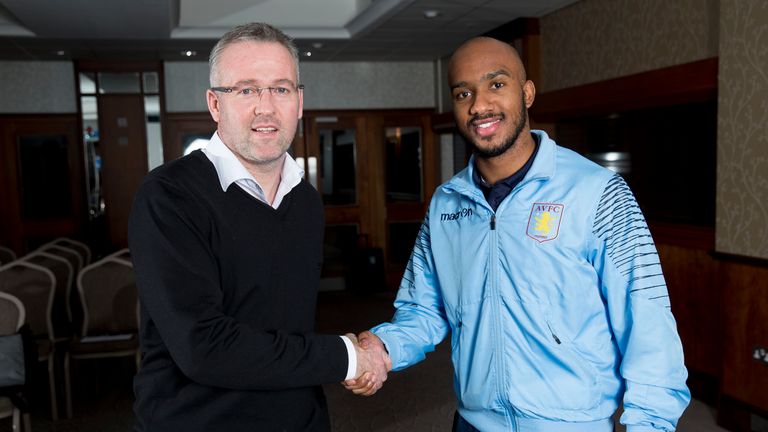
(228, 289)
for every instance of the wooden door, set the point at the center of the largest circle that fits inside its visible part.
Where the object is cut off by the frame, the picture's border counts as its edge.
(41, 194)
(123, 151)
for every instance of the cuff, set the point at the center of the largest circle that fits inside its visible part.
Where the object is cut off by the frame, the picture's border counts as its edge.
(352, 355)
(393, 349)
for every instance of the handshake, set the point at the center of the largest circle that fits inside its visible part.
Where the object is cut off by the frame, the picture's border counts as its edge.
(373, 363)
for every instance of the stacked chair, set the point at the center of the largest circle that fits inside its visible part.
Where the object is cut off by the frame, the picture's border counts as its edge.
(81, 248)
(76, 310)
(12, 404)
(35, 286)
(109, 301)
(61, 317)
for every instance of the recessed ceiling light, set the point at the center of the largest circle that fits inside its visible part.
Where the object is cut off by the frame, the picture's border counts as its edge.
(60, 52)
(307, 53)
(431, 13)
(189, 53)
(317, 45)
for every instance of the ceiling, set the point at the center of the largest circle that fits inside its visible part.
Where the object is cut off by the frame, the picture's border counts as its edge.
(325, 30)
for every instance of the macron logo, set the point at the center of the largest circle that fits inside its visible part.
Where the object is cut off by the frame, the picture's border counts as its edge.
(462, 213)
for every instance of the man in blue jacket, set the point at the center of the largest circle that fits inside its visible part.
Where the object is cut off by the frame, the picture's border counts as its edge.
(540, 265)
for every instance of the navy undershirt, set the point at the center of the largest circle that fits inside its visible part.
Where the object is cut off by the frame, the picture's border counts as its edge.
(496, 193)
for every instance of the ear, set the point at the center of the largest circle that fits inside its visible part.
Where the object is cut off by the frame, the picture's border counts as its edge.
(529, 90)
(213, 105)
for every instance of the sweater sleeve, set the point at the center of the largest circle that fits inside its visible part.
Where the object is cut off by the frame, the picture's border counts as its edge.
(178, 283)
(640, 312)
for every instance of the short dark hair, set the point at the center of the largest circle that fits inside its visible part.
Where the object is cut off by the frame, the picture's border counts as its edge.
(256, 32)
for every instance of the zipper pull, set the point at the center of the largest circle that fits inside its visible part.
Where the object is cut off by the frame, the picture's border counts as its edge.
(493, 222)
(552, 332)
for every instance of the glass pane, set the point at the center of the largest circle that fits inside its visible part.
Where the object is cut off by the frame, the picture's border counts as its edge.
(403, 163)
(337, 166)
(87, 83)
(154, 132)
(89, 106)
(151, 82)
(127, 82)
(44, 177)
(195, 141)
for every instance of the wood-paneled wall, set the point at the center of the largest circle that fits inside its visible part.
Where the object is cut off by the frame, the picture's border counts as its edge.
(720, 303)
(690, 272)
(743, 285)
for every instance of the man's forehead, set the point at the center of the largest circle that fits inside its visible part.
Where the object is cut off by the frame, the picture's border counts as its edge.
(257, 62)
(483, 59)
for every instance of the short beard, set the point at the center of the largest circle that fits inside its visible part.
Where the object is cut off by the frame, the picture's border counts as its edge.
(507, 143)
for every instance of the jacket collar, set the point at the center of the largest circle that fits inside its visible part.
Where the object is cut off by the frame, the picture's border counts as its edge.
(543, 168)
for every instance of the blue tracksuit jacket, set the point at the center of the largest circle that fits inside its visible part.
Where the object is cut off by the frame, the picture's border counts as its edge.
(556, 303)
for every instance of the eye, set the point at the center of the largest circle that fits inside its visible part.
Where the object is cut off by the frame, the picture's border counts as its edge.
(281, 91)
(497, 85)
(247, 91)
(461, 95)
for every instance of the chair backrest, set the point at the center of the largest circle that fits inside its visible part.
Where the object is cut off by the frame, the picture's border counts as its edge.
(6, 255)
(12, 314)
(71, 255)
(73, 258)
(34, 286)
(123, 254)
(109, 298)
(61, 315)
(81, 248)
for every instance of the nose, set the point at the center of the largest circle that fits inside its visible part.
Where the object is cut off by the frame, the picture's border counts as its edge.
(264, 102)
(482, 102)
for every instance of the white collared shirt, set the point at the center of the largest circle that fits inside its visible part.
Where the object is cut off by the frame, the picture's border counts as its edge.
(230, 170)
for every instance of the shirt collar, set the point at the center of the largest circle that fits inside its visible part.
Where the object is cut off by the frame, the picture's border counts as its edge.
(230, 170)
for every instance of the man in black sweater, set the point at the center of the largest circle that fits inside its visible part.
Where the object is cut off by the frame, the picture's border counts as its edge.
(227, 248)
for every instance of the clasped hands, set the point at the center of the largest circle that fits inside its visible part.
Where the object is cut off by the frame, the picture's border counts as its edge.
(373, 364)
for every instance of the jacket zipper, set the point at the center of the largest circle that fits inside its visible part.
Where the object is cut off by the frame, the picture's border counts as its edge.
(502, 383)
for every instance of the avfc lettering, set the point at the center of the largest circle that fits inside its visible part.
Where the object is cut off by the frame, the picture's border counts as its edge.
(462, 213)
(550, 208)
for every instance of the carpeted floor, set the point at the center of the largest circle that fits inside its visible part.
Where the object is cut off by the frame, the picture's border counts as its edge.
(419, 399)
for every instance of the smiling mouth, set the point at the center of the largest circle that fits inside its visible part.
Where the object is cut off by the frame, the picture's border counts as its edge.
(265, 130)
(486, 126)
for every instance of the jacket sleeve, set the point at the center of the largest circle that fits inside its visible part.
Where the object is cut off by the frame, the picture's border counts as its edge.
(633, 285)
(419, 322)
(179, 288)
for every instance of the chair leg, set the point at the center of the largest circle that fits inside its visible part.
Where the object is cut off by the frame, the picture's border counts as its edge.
(16, 420)
(67, 386)
(27, 422)
(52, 385)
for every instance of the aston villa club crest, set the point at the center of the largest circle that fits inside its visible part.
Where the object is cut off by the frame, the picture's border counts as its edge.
(544, 221)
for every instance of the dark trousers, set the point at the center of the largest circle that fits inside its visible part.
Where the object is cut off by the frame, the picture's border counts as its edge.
(461, 425)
